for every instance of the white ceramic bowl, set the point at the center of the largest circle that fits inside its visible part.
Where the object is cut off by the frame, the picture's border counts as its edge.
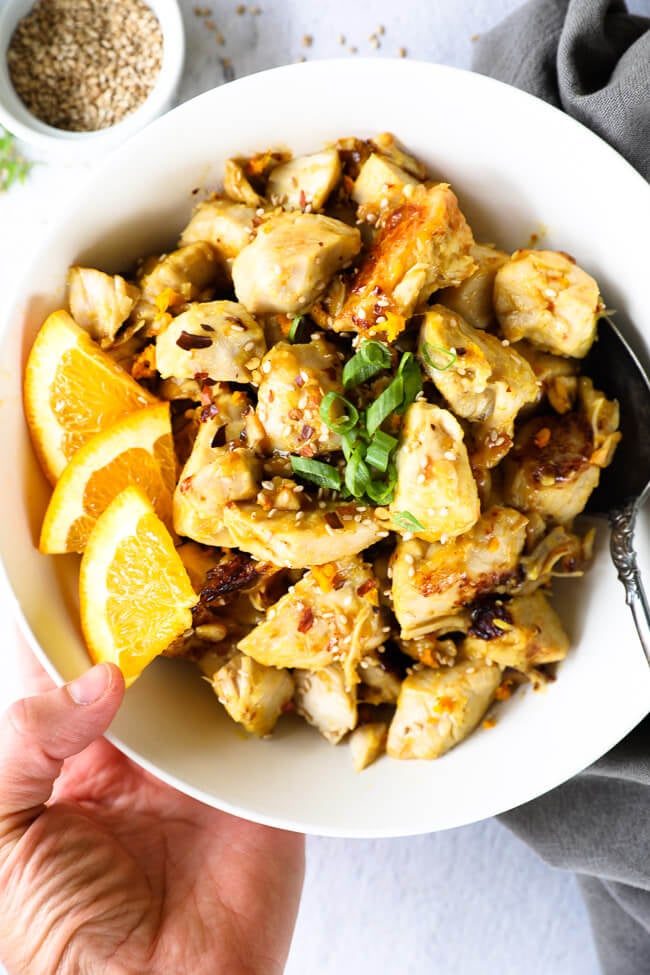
(516, 164)
(53, 143)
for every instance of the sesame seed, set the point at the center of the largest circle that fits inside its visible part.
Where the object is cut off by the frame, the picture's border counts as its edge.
(307, 40)
(401, 52)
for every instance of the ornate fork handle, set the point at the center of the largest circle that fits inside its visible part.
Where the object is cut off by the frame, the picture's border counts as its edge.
(624, 557)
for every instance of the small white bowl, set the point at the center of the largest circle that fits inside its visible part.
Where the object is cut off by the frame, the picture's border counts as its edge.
(61, 144)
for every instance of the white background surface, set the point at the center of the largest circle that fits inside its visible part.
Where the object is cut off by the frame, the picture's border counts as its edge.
(470, 901)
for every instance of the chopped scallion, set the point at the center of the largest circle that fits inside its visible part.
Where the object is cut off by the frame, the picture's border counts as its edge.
(344, 423)
(385, 404)
(407, 521)
(409, 370)
(324, 475)
(357, 475)
(427, 349)
(382, 492)
(380, 449)
(295, 332)
(371, 358)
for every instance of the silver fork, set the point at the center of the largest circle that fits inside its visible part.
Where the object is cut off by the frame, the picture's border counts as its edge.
(625, 484)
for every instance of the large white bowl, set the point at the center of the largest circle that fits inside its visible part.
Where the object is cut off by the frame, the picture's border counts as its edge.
(517, 165)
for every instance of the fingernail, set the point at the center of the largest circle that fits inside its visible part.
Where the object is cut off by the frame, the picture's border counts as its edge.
(90, 686)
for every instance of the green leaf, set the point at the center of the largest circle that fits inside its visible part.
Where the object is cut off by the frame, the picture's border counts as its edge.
(14, 168)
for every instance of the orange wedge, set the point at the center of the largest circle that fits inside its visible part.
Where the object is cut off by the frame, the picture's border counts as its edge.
(138, 450)
(135, 594)
(72, 391)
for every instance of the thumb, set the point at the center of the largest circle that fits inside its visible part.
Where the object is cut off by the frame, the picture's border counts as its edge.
(38, 733)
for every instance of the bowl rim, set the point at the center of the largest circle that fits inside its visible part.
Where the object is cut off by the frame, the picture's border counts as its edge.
(635, 714)
(18, 120)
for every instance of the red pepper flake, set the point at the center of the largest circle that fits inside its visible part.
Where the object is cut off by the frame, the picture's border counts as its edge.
(333, 520)
(206, 396)
(204, 379)
(302, 200)
(306, 432)
(294, 413)
(287, 707)
(366, 587)
(299, 381)
(338, 581)
(306, 620)
(207, 328)
(307, 450)
(208, 412)
(187, 341)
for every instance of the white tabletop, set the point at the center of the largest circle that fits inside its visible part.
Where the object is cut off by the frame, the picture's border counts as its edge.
(470, 901)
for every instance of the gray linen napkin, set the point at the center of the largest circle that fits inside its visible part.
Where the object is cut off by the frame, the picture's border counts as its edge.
(592, 58)
(589, 57)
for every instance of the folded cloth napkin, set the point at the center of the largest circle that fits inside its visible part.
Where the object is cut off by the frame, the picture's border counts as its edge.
(592, 58)
(589, 57)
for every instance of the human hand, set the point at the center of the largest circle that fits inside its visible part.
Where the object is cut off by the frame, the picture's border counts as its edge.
(105, 869)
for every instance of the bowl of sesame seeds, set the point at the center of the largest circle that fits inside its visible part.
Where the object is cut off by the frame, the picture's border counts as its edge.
(77, 77)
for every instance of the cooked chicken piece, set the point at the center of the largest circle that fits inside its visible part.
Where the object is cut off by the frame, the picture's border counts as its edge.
(434, 480)
(434, 580)
(603, 415)
(380, 683)
(380, 179)
(237, 186)
(521, 633)
(217, 338)
(558, 552)
(227, 226)
(556, 460)
(324, 700)
(422, 244)
(481, 379)
(473, 298)
(295, 378)
(198, 560)
(99, 302)
(192, 272)
(291, 261)
(387, 145)
(543, 296)
(306, 181)
(434, 651)
(214, 473)
(297, 540)
(253, 695)
(556, 376)
(367, 743)
(438, 708)
(320, 622)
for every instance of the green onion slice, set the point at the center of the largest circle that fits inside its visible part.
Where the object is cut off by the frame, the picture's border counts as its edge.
(324, 475)
(379, 450)
(385, 404)
(404, 519)
(409, 370)
(371, 358)
(449, 357)
(383, 492)
(357, 475)
(340, 424)
(296, 329)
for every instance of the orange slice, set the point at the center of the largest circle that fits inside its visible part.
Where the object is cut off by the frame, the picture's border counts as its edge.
(138, 450)
(135, 594)
(72, 391)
